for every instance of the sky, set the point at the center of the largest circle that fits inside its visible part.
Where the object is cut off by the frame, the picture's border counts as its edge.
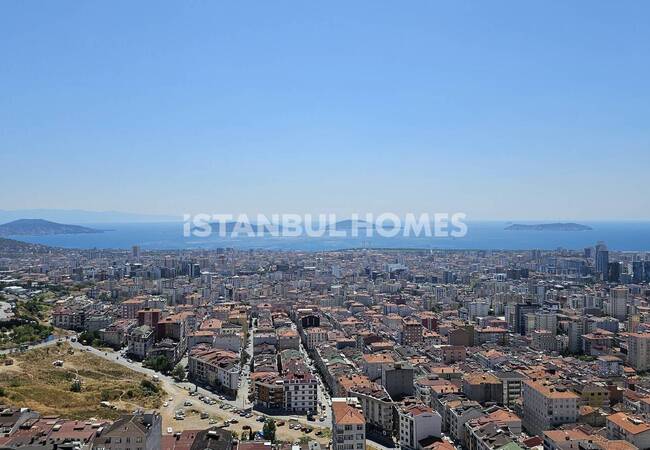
(499, 109)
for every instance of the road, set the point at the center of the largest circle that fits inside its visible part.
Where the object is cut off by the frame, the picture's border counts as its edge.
(179, 393)
(323, 395)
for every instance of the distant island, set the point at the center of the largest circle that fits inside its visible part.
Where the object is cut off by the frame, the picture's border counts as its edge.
(40, 227)
(548, 227)
(349, 224)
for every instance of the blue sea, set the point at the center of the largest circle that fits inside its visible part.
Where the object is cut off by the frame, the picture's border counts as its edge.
(622, 236)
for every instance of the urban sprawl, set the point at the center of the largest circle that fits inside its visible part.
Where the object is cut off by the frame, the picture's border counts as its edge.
(346, 350)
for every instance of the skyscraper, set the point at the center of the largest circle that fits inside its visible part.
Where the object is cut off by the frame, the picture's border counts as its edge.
(602, 259)
(618, 302)
(638, 272)
(614, 272)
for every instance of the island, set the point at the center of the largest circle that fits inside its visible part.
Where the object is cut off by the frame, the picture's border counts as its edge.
(548, 227)
(40, 227)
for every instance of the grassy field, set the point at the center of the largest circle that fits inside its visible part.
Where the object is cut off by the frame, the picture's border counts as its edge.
(34, 382)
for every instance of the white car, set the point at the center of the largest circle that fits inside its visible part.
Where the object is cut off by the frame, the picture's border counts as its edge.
(166, 404)
(169, 430)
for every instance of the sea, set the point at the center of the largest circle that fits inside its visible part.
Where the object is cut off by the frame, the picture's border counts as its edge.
(620, 236)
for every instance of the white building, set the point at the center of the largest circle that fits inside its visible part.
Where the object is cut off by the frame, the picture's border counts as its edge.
(418, 422)
(214, 367)
(348, 425)
(300, 393)
(315, 336)
(618, 302)
(546, 406)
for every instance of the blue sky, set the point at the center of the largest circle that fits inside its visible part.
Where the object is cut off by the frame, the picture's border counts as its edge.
(501, 109)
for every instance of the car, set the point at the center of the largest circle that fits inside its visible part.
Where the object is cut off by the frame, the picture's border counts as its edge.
(169, 430)
(187, 403)
(166, 404)
(234, 421)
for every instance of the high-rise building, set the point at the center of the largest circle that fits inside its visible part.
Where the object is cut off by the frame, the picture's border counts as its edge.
(637, 351)
(638, 272)
(546, 320)
(601, 256)
(135, 251)
(614, 272)
(618, 302)
(521, 309)
(577, 327)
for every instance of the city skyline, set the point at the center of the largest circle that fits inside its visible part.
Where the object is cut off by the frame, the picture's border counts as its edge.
(502, 111)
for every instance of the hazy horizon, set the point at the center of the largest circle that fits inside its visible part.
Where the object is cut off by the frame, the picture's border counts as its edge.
(125, 217)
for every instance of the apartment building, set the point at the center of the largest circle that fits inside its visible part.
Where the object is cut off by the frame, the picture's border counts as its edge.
(411, 331)
(635, 430)
(511, 384)
(376, 404)
(348, 424)
(638, 355)
(300, 392)
(219, 368)
(546, 406)
(314, 336)
(134, 431)
(140, 341)
(416, 423)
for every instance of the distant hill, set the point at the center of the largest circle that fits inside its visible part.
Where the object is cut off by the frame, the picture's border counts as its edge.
(10, 247)
(40, 227)
(548, 227)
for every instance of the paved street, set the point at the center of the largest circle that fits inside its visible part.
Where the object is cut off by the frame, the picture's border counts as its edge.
(179, 393)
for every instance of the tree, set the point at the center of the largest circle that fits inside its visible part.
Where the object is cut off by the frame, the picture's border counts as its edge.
(158, 363)
(178, 373)
(149, 387)
(269, 430)
(76, 385)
